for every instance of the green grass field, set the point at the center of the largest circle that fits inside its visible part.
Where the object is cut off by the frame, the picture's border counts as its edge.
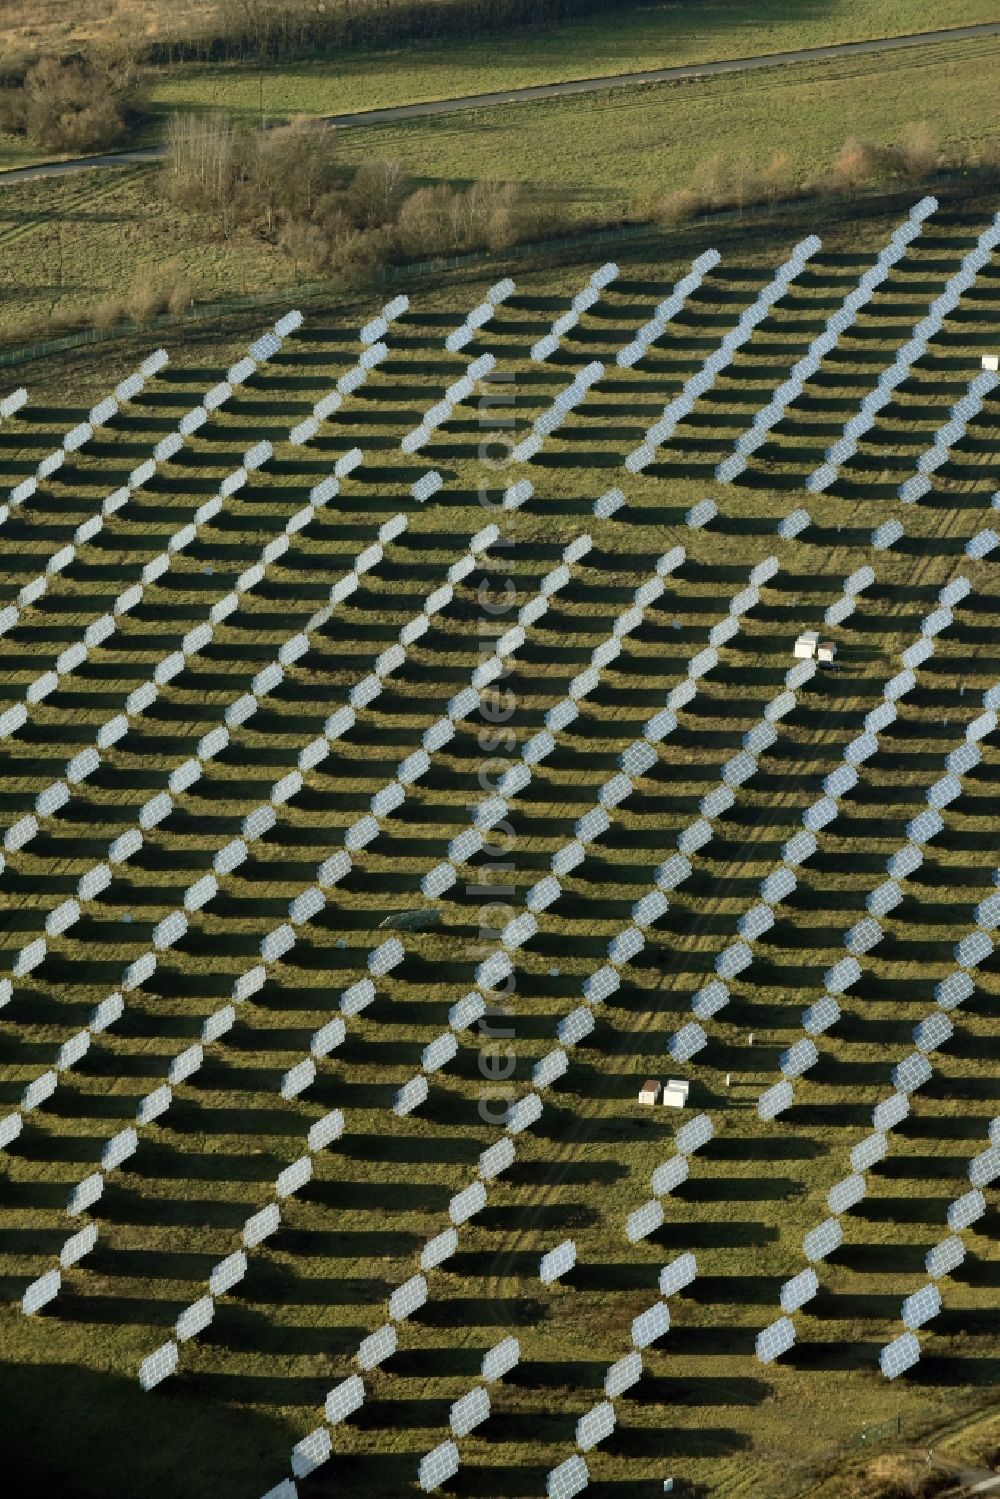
(657, 35)
(706, 1410)
(66, 244)
(654, 36)
(601, 154)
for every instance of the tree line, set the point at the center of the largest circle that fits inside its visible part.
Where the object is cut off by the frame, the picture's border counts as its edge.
(280, 30)
(286, 187)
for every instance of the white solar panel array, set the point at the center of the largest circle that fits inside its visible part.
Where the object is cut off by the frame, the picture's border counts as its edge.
(896, 373)
(547, 345)
(911, 1073)
(953, 430)
(381, 960)
(126, 391)
(923, 1305)
(555, 415)
(257, 823)
(691, 1038)
(441, 412)
(701, 382)
(479, 316)
(260, 453)
(667, 310)
(837, 324)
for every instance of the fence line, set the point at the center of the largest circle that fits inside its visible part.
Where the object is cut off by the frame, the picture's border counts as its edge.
(547, 252)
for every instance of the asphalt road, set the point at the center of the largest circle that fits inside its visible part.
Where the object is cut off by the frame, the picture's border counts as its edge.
(544, 91)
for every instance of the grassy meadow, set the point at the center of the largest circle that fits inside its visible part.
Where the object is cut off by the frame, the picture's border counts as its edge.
(66, 244)
(670, 33)
(705, 1411)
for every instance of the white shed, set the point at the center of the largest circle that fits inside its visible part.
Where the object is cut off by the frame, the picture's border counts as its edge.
(675, 1094)
(991, 362)
(805, 645)
(650, 1091)
(825, 652)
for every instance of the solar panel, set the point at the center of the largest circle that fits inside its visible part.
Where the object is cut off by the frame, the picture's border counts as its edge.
(973, 949)
(644, 1221)
(500, 1360)
(884, 898)
(711, 998)
(693, 837)
(107, 1012)
(953, 990)
(158, 1366)
(575, 1026)
(467, 1203)
(701, 514)
(891, 1111)
(921, 1306)
(669, 1175)
(438, 1249)
(439, 1052)
(153, 1105)
(800, 847)
(626, 946)
(408, 1298)
(571, 1477)
(944, 1257)
(615, 790)
(185, 1064)
(863, 936)
(797, 1291)
(821, 1241)
(775, 1100)
(437, 1466)
(651, 1324)
(870, 1151)
(904, 862)
(733, 959)
(466, 1011)
(659, 726)
(497, 1158)
(933, 1031)
(987, 913)
(76, 1246)
(595, 1426)
(565, 859)
(601, 985)
(755, 922)
(780, 706)
(842, 975)
(985, 1167)
(469, 1412)
(798, 1058)
(410, 1096)
(775, 1340)
(846, 1194)
(739, 768)
(557, 1263)
(377, 1347)
(524, 1113)
(194, 1319)
(693, 1135)
(689, 1040)
(899, 1355)
(260, 1226)
(924, 827)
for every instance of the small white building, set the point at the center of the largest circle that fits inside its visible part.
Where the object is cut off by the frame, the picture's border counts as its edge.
(825, 652)
(805, 646)
(675, 1094)
(650, 1091)
(991, 362)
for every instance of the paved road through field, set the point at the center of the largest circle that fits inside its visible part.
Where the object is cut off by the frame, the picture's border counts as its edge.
(543, 91)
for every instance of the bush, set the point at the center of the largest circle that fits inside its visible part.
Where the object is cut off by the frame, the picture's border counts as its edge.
(678, 207)
(76, 105)
(108, 313)
(145, 300)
